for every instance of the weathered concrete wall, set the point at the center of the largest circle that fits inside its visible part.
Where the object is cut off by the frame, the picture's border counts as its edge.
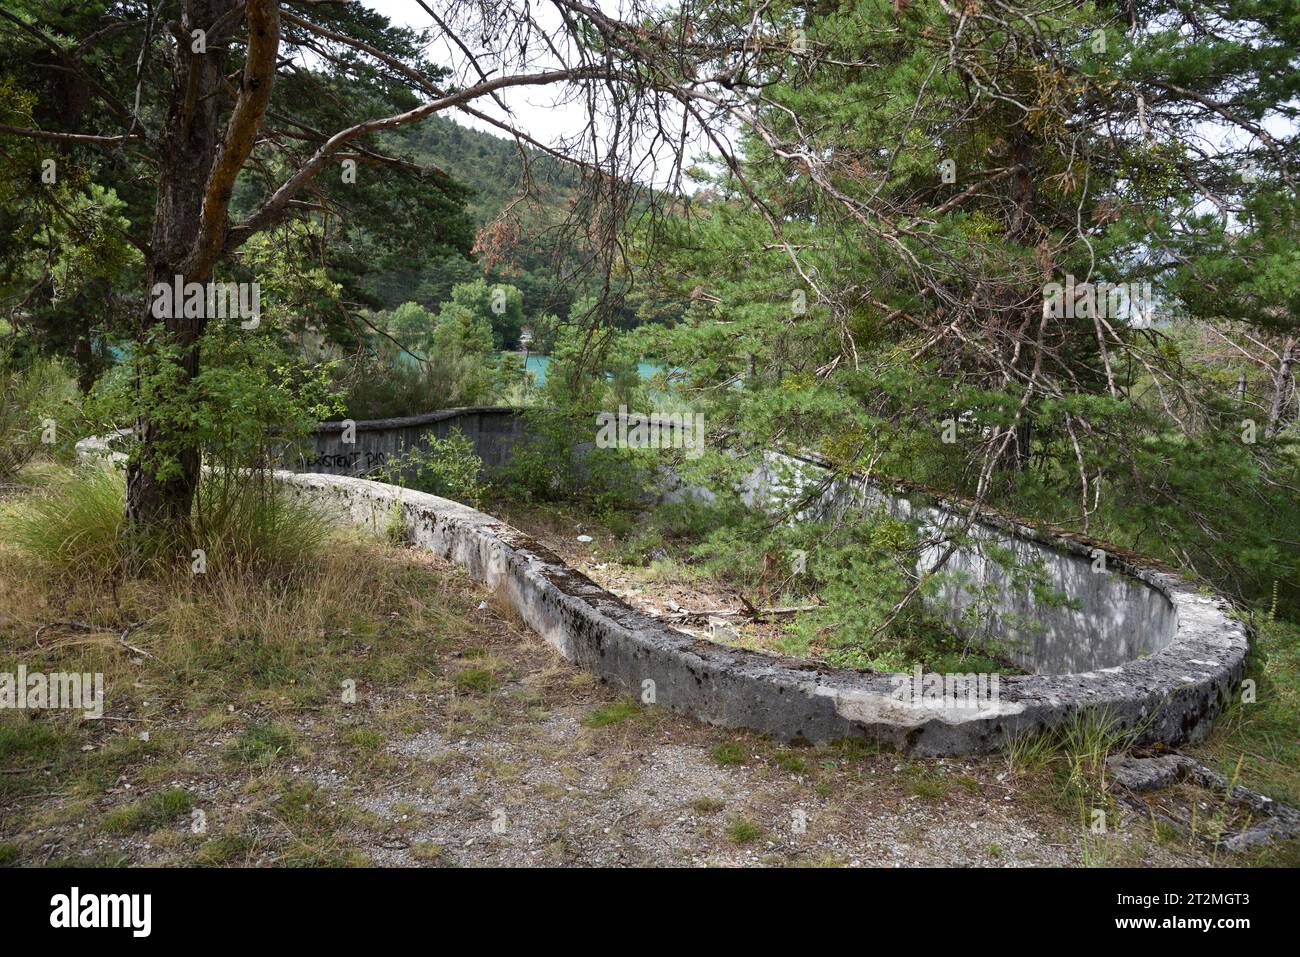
(1082, 620)
(493, 431)
(1171, 695)
(1095, 610)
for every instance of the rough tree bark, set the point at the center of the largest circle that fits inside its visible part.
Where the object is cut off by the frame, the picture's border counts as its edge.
(195, 184)
(1283, 382)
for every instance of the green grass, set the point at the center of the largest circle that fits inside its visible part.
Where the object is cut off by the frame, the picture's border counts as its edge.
(31, 746)
(24, 740)
(8, 853)
(730, 753)
(315, 823)
(619, 711)
(791, 761)
(855, 749)
(1263, 733)
(75, 529)
(261, 743)
(476, 680)
(155, 811)
(740, 831)
(274, 648)
(1074, 754)
(425, 852)
(1165, 833)
(925, 783)
(223, 851)
(368, 740)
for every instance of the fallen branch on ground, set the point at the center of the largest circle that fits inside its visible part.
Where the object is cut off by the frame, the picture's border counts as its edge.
(750, 612)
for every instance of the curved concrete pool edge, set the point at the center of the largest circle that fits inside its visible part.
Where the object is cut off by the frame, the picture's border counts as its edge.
(1171, 696)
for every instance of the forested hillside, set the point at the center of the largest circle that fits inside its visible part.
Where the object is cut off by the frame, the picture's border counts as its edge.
(523, 250)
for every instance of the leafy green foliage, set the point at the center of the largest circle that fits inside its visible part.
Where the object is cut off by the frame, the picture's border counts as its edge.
(37, 411)
(254, 398)
(890, 324)
(443, 466)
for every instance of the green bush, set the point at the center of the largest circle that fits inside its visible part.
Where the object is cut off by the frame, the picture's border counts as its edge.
(854, 572)
(548, 463)
(37, 404)
(390, 386)
(247, 525)
(448, 467)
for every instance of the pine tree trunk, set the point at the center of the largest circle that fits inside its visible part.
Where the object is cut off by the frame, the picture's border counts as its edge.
(1282, 385)
(190, 140)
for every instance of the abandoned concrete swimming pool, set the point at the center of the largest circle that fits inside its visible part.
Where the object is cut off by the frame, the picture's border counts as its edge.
(1147, 648)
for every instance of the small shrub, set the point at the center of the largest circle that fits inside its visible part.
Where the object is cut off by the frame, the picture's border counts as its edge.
(31, 396)
(548, 465)
(448, 467)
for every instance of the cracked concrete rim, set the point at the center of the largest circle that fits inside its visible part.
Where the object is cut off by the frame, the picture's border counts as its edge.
(1171, 696)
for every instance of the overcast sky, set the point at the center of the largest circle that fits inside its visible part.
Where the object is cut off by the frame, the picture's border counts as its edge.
(539, 112)
(535, 110)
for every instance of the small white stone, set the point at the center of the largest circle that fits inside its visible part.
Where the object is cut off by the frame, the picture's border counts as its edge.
(585, 538)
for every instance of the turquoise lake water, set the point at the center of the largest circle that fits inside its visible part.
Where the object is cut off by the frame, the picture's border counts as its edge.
(537, 365)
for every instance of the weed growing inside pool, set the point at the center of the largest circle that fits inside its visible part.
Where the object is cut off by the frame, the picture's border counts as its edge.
(849, 579)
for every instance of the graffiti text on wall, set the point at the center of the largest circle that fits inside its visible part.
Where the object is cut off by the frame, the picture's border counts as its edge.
(350, 461)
